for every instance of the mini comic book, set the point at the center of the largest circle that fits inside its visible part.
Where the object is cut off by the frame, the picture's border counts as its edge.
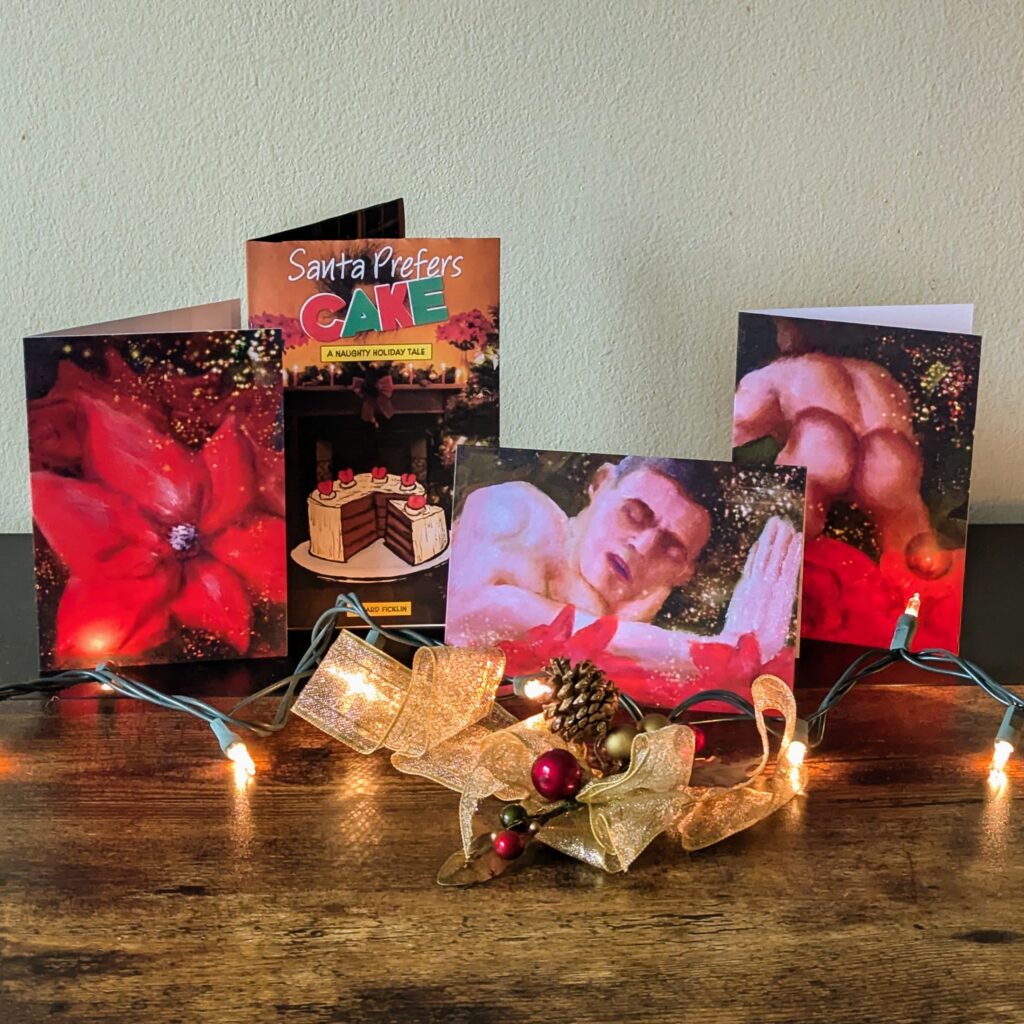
(390, 361)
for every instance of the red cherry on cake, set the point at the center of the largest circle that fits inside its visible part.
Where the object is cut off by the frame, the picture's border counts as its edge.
(379, 472)
(408, 479)
(346, 476)
(325, 487)
(416, 502)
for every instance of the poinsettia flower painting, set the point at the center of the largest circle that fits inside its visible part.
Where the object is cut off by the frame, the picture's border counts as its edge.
(157, 497)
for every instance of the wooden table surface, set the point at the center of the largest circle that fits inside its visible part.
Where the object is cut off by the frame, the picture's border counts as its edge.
(139, 881)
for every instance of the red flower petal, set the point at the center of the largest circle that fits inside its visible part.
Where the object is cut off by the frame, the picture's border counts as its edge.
(256, 551)
(131, 456)
(93, 531)
(54, 438)
(590, 641)
(229, 485)
(269, 469)
(99, 619)
(214, 599)
(539, 644)
(722, 665)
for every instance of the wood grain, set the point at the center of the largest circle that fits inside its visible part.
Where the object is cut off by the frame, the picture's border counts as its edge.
(138, 882)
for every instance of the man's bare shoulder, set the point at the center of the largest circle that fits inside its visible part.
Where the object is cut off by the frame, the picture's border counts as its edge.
(513, 509)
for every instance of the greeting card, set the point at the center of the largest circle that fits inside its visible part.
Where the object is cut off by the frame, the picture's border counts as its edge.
(390, 360)
(157, 489)
(672, 575)
(878, 403)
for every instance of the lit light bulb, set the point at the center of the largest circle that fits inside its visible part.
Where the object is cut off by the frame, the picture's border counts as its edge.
(1008, 738)
(536, 688)
(233, 747)
(1001, 754)
(239, 753)
(356, 682)
(797, 749)
(106, 688)
(913, 606)
(997, 780)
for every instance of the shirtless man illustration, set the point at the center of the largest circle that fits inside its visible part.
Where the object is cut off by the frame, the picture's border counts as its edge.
(850, 423)
(521, 560)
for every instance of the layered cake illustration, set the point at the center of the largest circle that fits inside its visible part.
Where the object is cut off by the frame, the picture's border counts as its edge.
(353, 511)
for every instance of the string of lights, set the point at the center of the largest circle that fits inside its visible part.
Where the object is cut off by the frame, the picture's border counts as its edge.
(228, 726)
(811, 730)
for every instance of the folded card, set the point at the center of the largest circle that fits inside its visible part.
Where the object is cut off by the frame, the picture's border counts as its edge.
(390, 359)
(157, 489)
(878, 404)
(672, 575)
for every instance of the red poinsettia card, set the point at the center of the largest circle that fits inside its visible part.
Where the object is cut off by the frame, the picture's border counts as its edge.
(390, 360)
(157, 490)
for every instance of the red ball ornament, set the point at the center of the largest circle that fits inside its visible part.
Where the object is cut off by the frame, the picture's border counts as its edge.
(557, 775)
(927, 558)
(509, 844)
(698, 738)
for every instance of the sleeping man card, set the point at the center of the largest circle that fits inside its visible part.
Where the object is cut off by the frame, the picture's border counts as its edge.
(390, 361)
(673, 575)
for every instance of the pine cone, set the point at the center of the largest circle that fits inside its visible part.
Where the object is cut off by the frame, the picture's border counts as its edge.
(584, 703)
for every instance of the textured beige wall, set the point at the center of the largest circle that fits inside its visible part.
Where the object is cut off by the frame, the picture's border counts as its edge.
(651, 168)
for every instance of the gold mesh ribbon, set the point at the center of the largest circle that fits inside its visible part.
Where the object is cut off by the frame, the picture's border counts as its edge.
(720, 813)
(623, 814)
(441, 722)
(434, 716)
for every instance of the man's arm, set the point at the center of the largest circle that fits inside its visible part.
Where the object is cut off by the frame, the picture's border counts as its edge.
(501, 563)
(762, 604)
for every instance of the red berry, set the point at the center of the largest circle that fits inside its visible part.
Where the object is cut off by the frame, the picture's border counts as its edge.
(557, 775)
(417, 501)
(346, 476)
(379, 472)
(408, 479)
(508, 844)
(325, 487)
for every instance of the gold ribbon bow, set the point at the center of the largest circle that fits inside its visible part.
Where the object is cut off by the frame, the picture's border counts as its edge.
(623, 814)
(440, 721)
(434, 716)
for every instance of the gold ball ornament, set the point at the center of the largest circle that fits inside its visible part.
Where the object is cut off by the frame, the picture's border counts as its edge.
(653, 722)
(619, 742)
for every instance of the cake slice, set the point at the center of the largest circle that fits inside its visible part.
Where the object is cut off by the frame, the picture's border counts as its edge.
(415, 531)
(350, 513)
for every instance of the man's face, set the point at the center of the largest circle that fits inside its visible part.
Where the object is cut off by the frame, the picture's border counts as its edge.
(642, 535)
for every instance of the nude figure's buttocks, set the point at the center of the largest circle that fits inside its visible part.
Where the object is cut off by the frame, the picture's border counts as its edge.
(849, 421)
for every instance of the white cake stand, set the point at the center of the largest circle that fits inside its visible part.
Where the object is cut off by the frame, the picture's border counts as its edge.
(376, 564)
